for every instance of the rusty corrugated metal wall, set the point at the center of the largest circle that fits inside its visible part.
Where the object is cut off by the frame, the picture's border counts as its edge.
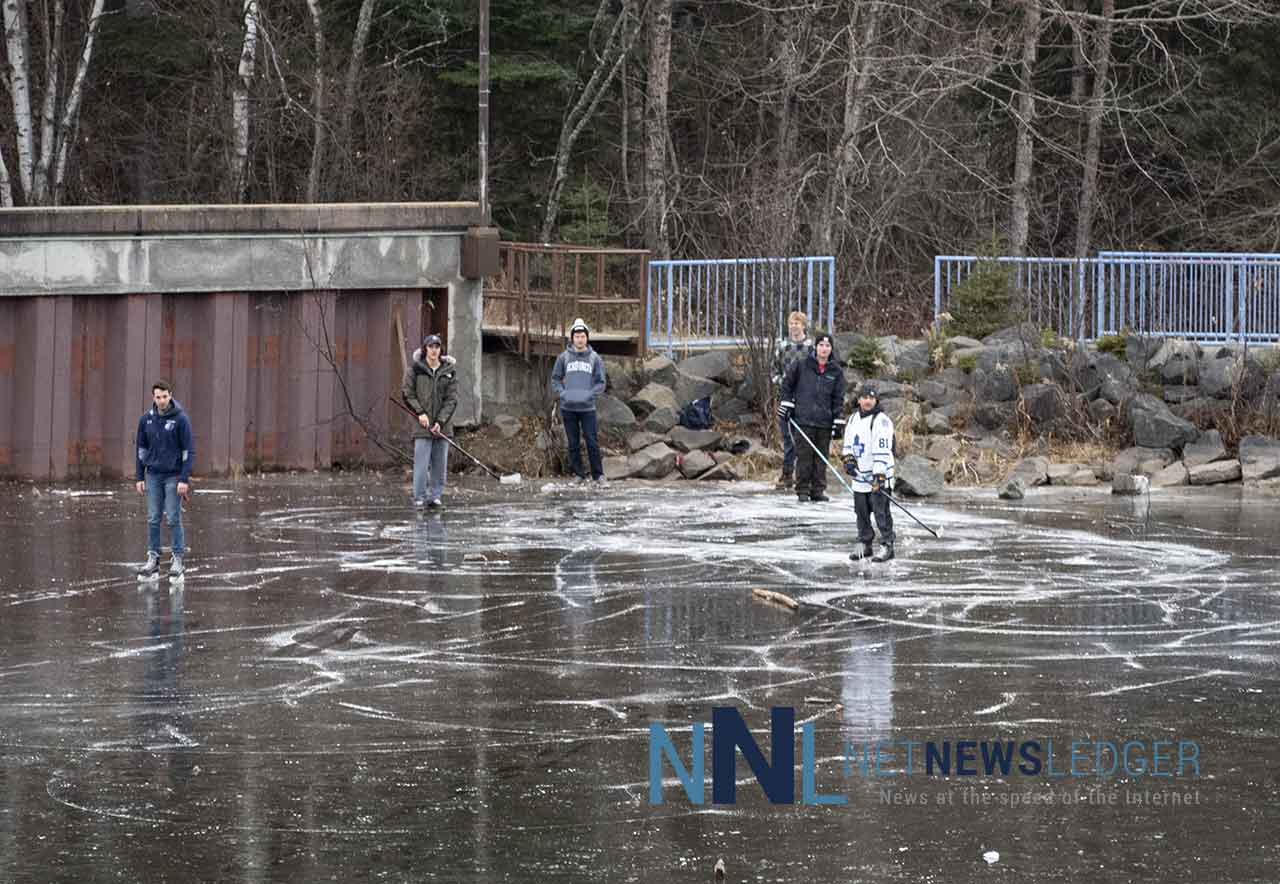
(253, 371)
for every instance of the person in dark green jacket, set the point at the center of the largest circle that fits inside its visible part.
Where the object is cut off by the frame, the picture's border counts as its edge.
(430, 390)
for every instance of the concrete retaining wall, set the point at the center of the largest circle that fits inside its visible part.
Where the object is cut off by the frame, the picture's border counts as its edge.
(269, 338)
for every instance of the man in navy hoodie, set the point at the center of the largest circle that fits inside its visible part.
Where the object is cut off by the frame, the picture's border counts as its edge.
(578, 379)
(165, 453)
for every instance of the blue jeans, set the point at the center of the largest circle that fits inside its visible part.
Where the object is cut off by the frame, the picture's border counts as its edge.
(162, 497)
(788, 446)
(430, 463)
(583, 422)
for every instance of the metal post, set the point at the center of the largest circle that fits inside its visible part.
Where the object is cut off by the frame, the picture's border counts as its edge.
(484, 112)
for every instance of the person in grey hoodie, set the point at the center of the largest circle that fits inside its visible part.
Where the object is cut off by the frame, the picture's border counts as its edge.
(430, 390)
(578, 379)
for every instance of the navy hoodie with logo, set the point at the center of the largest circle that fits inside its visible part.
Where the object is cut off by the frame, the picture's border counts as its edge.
(164, 443)
(578, 379)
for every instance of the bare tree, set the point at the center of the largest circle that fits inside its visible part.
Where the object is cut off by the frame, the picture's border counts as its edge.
(656, 135)
(319, 123)
(607, 65)
(42, 161)
(1101, 63)
(1026, 119)
(238, 177)
(354, 66)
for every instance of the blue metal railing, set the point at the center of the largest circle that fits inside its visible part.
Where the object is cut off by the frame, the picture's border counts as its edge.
(1204, 296)
(727, 301)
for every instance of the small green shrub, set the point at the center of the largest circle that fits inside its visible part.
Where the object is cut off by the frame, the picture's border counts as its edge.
(1113, 344)
(867, 356)
(1027, 373)
(987, 300)
(967, 363)
(1049, 339)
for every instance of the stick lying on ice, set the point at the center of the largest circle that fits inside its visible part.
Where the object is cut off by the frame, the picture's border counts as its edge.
(768, 595)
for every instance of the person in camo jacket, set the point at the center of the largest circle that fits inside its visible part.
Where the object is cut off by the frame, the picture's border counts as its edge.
(795, 347)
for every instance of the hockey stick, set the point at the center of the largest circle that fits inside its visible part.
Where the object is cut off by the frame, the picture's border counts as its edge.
(512, 479)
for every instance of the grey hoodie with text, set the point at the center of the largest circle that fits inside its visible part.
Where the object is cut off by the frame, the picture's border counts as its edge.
(578, 379)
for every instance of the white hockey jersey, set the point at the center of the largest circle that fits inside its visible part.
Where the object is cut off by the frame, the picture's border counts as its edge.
(869, 439)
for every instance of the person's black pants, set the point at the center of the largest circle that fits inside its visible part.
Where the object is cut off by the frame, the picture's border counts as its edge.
(864, 505)
(578, 424)
(811, 472)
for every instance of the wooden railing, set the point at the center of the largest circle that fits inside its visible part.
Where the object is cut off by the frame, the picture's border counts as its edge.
(542, 288)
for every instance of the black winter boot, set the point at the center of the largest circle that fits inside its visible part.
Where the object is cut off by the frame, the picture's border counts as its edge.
(785, 481)
(884, 554)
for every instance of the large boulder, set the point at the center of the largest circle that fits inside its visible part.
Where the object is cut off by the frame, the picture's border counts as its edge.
(1032, 470)
(654, 396)
(695, 463)
(616, 468)
(1139, 350)
(937, 424)
(1101, 411)
(915, 476)
(993, 415)
(716, 365)
(626, 377)
(660, 420)
(1101, 367)
(612, 413)
(1177, 362)
(1221, 378)
(1208, 448)
(1014, 488)
(1043, 403)
(1176, 395)
(903, 413)
(1259, 458)
(1142, 461)
(1215, 473)
(1155, 426)
(913, 361)
(690, 387)
(686, 439)
(642, 439)
(660, 370)
(654, 462)
(1127, 483)
(935, 392)
(1173, 475)
(996, 386)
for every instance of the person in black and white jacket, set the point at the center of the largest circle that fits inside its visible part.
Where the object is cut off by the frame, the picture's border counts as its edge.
(869, 460)
(813, 393)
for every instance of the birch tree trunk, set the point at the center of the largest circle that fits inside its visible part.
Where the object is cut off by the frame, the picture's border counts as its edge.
(655, 159)
(237, 178)
(857, 78)
(1093, 128)
(6, 189)
(317, 106)
(66, 132)
(49, 109)
(621, 37)
(18, 44)
(1019, 224)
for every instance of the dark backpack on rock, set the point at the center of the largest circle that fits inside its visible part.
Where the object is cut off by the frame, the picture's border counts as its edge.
(697, 414)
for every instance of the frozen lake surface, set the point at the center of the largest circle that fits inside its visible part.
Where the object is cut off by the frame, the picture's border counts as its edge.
(344, 689)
